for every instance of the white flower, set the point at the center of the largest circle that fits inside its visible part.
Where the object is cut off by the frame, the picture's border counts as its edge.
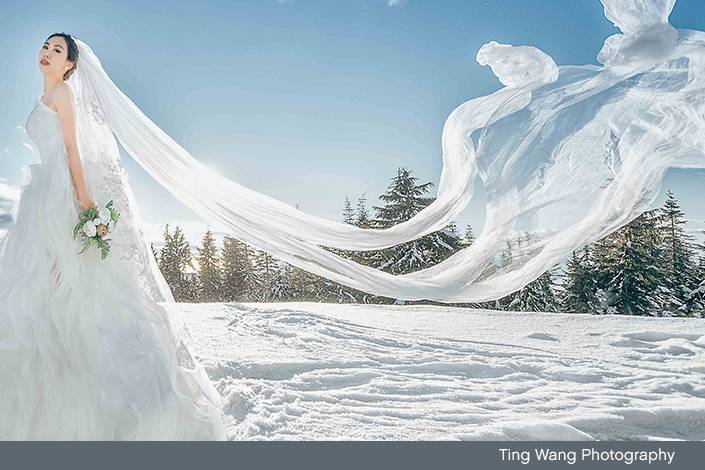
(104, 215)
(96, 221)
(110, 228)
(89, 230)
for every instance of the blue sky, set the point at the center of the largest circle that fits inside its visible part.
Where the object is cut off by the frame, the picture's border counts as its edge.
(308, 101)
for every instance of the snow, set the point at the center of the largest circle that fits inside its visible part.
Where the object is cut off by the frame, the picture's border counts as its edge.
(312, 371)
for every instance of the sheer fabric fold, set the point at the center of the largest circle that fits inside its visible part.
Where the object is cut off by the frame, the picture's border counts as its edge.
(566, 154)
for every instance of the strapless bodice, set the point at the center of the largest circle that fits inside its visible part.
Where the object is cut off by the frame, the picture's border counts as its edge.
(44, 128)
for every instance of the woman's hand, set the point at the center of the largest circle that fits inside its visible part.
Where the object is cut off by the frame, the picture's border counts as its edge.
(86, 202)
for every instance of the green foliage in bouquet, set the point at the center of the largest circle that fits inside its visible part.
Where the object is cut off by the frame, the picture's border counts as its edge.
(114, 214)
(91, 216)
(98, 242)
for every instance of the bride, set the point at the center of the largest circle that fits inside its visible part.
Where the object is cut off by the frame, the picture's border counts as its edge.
(86, 350)
(565, 154)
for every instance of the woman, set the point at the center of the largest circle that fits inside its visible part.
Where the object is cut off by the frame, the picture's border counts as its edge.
(566, 155)
(86, 350)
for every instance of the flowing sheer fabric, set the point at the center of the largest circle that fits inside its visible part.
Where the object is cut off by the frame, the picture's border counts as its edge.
(566, 155)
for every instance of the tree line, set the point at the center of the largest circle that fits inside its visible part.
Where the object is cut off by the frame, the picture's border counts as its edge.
(651, 266)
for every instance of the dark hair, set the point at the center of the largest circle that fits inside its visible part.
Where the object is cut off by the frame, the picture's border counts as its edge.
(72, 53)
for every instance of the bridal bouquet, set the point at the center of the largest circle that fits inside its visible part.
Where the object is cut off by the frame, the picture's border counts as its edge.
(94, 225)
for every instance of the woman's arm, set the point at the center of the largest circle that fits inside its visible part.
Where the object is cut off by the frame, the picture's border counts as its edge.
(62, 98)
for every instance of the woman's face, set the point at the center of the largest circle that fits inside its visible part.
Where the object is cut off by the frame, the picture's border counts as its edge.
(52, 57)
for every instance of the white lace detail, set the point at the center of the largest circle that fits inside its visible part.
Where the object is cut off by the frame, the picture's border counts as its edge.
(92, 107)
(127, 240)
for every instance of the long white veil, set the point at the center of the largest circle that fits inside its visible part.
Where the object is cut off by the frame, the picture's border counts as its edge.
(566, 155)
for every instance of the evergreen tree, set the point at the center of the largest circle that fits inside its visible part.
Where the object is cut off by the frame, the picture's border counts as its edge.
(469, 237)
(505, 259)
(700, 270)
(210, 277)
(187, 288)
(580, 287)
(699, 293)
(239, 282)
(331, 291)
(327, 290)
(177, 267)
(452, 230)
(303, 286)
(405, 198)
(264, 269)
(628, 268)
(362, 218)
(605, 260)
(279, 286)
(264, 262)
(348, 212)
(680, 269)
(167, 263)
(299, 285)
(536, 296)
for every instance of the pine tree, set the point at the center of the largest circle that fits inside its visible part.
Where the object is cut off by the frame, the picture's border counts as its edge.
(536, 296)
(580, 287)
(187, 289)
(452, 230)
(699, 293)
(327, 290)
(279, 287)
(605, 256)
(331, 291)
(264, 269)
(264, 262)
(678, 261)
(348, 212)
(177, 267)
(405, 198)
(504, 259)
(167, 263)
(362, 218)
(628, 268)
(303, 286)
(210, 277)
(238, 277)
(539, 294)
(700, 270)
(469, 237)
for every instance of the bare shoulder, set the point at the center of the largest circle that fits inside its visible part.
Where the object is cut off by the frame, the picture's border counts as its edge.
(62, 98)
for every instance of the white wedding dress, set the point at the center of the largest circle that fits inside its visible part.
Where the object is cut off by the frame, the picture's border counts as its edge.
(87, 352)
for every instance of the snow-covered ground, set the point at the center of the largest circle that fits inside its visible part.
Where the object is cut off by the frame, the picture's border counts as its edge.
(301, 371)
